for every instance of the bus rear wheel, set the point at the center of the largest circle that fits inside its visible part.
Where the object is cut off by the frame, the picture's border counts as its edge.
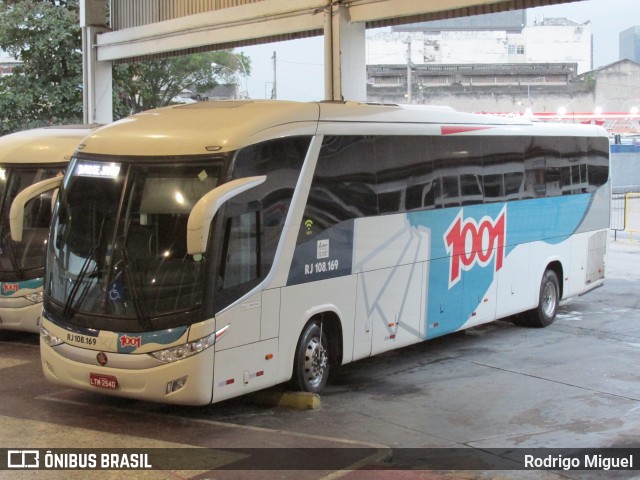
(311, 369)
(548, 302)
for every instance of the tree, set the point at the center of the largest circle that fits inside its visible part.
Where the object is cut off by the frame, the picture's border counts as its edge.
(46, 88)
(154, 83)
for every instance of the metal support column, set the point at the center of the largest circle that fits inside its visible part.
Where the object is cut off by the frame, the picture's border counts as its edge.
(345, 60)
(97, 101)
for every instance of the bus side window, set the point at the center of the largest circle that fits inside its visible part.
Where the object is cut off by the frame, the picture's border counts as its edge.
(413, 197)
(513, 185)
(343, 185)
(240, 262)
(597, 163)
(534, 169)
(535, 183)
(429, 192)
(503, 168)
(403, 170)
(470, 189)
(493, 188)
(450, 191)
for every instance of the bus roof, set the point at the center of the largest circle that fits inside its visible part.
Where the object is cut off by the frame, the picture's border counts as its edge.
(222, 126)
(202, 128)
(42, 145)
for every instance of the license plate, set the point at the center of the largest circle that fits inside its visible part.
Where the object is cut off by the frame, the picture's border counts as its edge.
(103, 381)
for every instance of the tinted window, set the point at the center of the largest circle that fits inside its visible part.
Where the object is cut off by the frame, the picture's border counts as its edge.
(503, 168)
(254, 220)
(29, 253)
(597, 162)
(343, 186)
(534, 168)
(458, 164)
(404, 172)
(364, 176)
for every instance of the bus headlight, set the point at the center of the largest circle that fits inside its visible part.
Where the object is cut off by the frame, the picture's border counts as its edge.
(174, 354)
(34, 297)
(49, 338)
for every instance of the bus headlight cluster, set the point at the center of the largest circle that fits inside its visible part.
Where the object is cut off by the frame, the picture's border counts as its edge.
(49, 338)
(174, 354)
(34, 297)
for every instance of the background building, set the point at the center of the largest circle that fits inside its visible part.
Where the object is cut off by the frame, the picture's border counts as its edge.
(499, 63)
(609, 95)
(630, 44)
(491, 39)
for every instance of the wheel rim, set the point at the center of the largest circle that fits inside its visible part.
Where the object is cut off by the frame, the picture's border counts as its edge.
(315, 362)
(549, 299)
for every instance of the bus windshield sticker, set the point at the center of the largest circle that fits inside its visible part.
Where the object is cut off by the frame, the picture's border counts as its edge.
(323, 249)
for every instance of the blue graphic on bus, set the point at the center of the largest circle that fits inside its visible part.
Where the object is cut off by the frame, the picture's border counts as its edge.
(549, 220)
(130, 342)
(8, 289)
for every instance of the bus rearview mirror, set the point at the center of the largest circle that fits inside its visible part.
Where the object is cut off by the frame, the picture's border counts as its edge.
(202, 214)
(16, 213)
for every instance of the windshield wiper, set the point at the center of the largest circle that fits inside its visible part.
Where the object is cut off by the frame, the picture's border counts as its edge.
(143, 320)
(68, 305)
(77, 282)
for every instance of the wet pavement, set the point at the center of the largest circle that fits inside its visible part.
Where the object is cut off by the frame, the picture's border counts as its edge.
(574, 384)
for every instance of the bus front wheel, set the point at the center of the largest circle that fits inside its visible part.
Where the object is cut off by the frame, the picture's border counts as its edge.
(548, 302)
(311, 369)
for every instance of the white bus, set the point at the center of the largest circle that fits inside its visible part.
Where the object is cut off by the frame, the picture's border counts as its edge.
(204, 251)
(27, 158)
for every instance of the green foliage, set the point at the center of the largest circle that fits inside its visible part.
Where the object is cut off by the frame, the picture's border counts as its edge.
(154, 83)
(47, 87)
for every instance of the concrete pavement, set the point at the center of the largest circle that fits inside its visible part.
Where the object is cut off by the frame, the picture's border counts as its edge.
(572, 385)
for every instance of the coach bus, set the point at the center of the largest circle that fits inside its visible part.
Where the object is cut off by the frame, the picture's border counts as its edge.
(27, 158)
(203, 251)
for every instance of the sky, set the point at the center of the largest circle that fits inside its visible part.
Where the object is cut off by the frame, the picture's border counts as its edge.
(300, 70)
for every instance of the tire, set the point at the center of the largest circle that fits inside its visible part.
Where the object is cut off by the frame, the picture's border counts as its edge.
(311, 366)
(549, 299)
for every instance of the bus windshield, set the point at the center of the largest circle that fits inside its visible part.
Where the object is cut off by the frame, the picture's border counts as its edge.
(118, 241)
(21, 260)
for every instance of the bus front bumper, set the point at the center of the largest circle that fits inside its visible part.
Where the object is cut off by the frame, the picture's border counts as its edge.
(21, 315)
(191, 379)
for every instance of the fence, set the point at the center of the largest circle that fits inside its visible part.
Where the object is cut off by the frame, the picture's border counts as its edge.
(625, 212)
(617, 212)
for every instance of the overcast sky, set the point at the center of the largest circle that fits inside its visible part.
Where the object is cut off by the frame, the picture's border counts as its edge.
(300, 71)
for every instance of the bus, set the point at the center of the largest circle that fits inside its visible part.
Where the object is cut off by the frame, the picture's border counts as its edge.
(204, 251)
(27, 158)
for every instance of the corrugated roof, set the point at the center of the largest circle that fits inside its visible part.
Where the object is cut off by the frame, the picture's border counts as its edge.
(127, 14)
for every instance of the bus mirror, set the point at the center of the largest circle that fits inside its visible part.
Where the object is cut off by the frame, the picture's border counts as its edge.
(16, 214)
(202, 214)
